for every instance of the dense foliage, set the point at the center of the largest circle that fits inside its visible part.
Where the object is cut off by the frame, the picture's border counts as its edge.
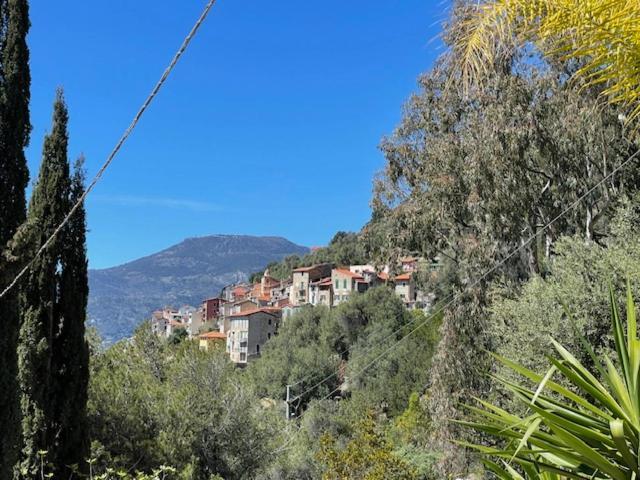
(471, 179)
(15, 126)
(574, 293)
(588, 429)
(155, 402)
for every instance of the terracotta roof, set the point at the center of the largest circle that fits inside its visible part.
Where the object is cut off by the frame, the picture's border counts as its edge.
(325, 281)
(175, 323)
(404, 276)
(213, 334)
(408, 260)
(304, 269)
(383, 276)
(349, 273)
(269, 310)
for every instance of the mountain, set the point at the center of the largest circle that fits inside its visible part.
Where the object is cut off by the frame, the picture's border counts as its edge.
(123, 296)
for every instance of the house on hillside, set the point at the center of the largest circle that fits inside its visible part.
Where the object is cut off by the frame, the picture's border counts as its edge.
(249, 331)
(321, 292)
(345, 283)
(368, 272)
(281, 291)
(211, 308)
(158, 323)
(409, 264)
(235, 292)
(210, 340)
(197, 323)
(405, 288)
(169, 313)
(301, 279)
(242, 306)
(173, 326)
(166, 321)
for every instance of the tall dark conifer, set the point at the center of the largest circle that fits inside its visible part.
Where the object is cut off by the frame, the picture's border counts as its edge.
(40, 300)
(15, 127)
(71, 351)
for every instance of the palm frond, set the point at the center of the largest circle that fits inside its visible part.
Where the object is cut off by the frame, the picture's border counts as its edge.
(603, 34)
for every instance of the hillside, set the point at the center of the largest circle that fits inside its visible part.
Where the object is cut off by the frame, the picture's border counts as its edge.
(121, 297)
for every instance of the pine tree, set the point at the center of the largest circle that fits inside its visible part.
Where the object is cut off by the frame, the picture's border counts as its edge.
(39, 299)
(15, 127)
(71, 351)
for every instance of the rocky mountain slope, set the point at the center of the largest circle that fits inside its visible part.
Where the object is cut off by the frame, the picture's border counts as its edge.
(186, 273)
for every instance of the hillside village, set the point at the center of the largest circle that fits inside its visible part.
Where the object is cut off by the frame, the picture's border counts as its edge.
(244, 316)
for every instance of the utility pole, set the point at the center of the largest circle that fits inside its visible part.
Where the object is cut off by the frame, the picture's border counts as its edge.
(288, 400)
(288, 413)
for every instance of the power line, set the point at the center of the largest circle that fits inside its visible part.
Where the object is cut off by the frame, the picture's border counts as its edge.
(453, 298)
(116, 149)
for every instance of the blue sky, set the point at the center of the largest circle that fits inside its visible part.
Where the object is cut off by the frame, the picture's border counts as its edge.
(270, 125)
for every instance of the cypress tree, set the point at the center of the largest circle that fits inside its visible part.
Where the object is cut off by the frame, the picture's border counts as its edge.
(71, 350)
(15, 127)
(40, 300)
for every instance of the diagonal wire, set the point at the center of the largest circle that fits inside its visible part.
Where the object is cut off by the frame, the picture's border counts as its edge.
(116, 149)
(453, 298)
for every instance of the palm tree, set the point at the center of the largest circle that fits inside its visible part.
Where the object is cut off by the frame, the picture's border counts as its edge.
(603, 34)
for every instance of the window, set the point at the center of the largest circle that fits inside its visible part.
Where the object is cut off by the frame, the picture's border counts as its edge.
(337, 283)
(344, 283)
(258, 349)
(268, 336)
(243, 357)
(269, 321)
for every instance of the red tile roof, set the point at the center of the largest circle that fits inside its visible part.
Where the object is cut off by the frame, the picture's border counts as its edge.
(269, 310)
(349, 273)
(383, 276)
(404, 276)
(214, 334)
(325, 281)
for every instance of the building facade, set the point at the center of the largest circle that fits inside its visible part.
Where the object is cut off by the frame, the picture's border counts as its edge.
(301, 279)
(345, 283)
(249, 331)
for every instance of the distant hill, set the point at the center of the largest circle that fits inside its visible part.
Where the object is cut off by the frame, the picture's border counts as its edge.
(186, 273)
